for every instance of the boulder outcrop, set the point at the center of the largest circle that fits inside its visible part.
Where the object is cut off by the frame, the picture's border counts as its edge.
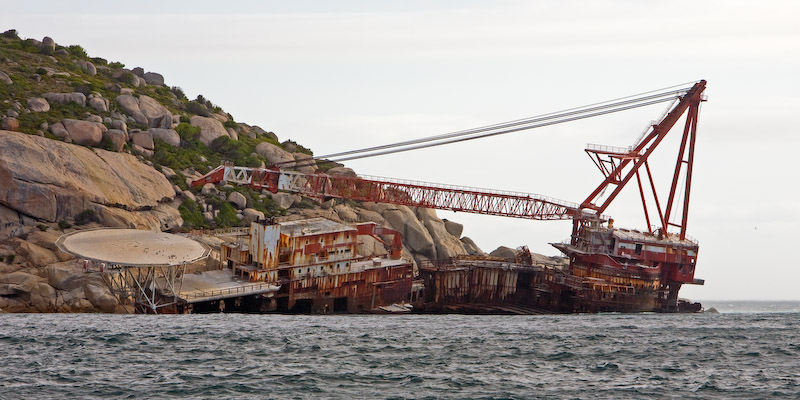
(130, 105)
(38, 104)
(9, 123)
(210, 128)
(447, 245)
(63, 98)
(143, 139)
(168, 136)
(52, 181)
(88, 67)
(100, 104)
(153, 78)
(117, 137)
(157, 115)
(5, 79)
(275, 154)
(84, 132)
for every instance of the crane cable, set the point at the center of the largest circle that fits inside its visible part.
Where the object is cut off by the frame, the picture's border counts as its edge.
(591, 110)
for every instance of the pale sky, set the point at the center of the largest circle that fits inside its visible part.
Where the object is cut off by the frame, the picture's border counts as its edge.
(336, 76)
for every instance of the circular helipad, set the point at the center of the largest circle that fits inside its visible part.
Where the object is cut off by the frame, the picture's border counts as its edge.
(133, 247)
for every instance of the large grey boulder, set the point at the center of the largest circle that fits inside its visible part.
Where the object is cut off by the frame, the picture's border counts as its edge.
(238, 200)
(210, 128)
(369, 246)
(260, 132)
(38, 104)
(83, 132)
(415, 235)
(153, 78)
(157, 115)
(65, 276)
(51, 181)
(283, 200)
(63, 98)
(59, 130)
(37, 255)
(9, 123)
(119, 124)
(143, 139)
(48, 44)
(342, 171)
(130, 106)
(304, 163)
(447, 245)
(5, 79)
(117, 137)
(101, 297)
(504, 252)
(98, 103)
(169, 136)
(232, 133)
(88, 67)
(472, 248)
(252, 215)
(346, 213)
(365, 215)
(453, 228)
(275, 154)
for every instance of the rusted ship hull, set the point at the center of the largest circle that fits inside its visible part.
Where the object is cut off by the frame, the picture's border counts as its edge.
(356, 292)
(473, 286)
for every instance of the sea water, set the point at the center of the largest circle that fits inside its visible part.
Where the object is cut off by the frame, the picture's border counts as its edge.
(749, 350)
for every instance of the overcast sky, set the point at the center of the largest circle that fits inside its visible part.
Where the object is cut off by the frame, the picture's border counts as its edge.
(336, 76)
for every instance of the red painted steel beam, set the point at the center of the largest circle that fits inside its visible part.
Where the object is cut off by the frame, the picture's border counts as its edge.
(648, 145)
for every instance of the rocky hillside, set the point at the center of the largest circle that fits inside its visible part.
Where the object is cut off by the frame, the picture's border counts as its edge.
(85, 142)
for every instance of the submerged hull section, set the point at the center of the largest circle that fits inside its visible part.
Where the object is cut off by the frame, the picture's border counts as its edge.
(473, 286)
(606, 270)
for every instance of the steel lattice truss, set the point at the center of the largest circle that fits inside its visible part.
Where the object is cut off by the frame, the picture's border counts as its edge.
(623, 165)
(401, 192)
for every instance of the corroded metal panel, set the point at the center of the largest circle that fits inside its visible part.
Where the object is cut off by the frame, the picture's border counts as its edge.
(264, 240)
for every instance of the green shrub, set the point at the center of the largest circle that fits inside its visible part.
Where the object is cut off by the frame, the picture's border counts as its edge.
(77, 51)
(11, 34)
(178, 92)
(230, 123)
(305, 202)
(64, 224)
(226, 217)
(99, 61)
(107, 144)
(84, 217)
(2, 258)
(192, 215)
(10, 258)
(188, 132)
(196, 108)
(42, 227)
(300, 148)
(116, 65)
(29, 46)
(41, 71)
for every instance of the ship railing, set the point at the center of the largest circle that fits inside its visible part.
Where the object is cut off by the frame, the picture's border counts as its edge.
(236, 231)
(228, 291)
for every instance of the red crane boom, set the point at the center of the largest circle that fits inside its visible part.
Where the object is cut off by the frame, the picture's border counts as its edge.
(619, 168)
(401, 192)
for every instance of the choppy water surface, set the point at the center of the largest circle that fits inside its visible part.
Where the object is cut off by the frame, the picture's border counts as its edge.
(736, 355)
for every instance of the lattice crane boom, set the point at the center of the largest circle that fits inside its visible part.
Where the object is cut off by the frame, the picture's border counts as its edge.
(401, 192)
(619, 166)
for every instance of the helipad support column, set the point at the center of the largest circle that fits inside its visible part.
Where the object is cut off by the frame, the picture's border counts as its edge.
(144, 265)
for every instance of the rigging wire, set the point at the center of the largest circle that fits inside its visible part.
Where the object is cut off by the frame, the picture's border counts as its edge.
(591, 110)
(570, 111)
